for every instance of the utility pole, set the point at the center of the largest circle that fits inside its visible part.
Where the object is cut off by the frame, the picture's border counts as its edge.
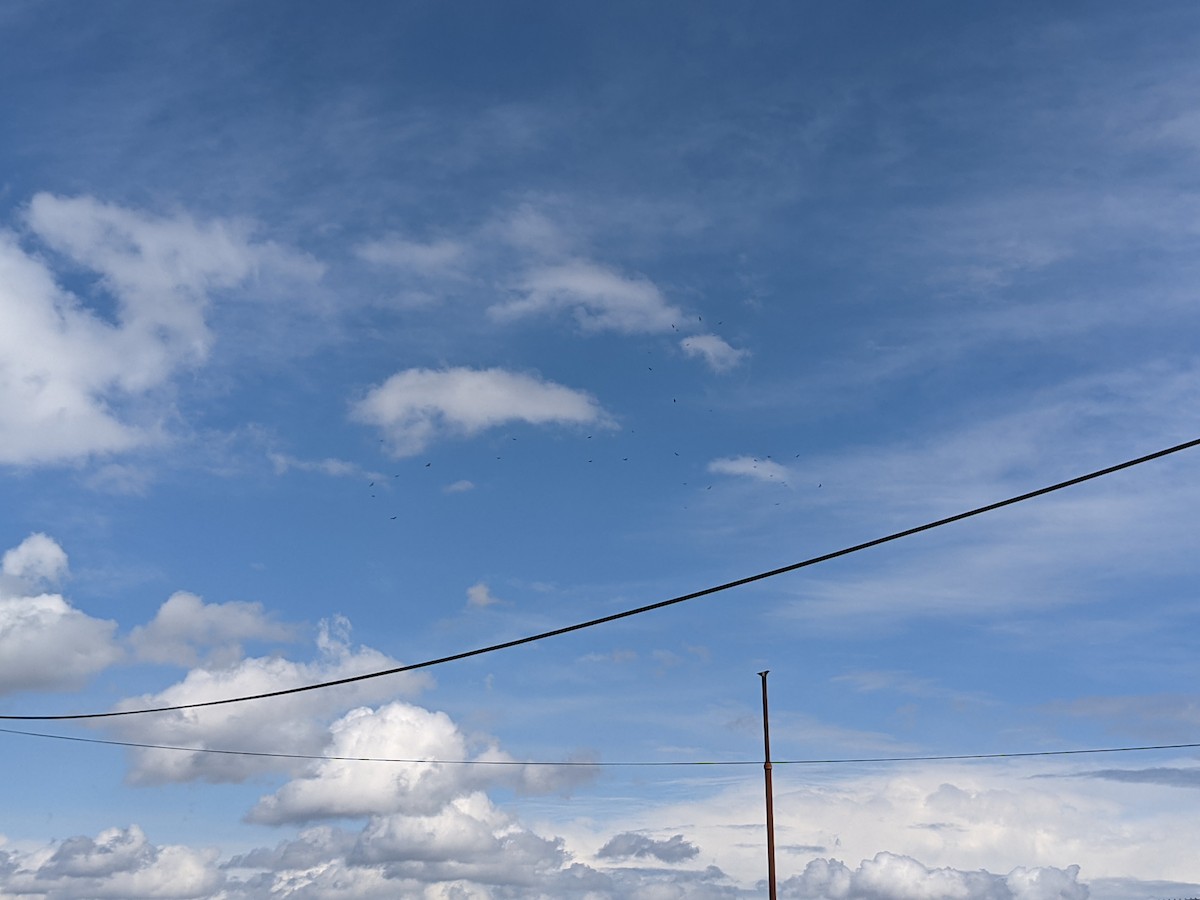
(770, 800)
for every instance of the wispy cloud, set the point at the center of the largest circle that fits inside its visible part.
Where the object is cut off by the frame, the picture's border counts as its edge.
(871, 681)
(600, 298)
(441, 257)
(335, 468)
(751, 467)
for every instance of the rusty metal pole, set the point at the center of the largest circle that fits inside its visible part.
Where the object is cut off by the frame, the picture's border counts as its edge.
(770, 800)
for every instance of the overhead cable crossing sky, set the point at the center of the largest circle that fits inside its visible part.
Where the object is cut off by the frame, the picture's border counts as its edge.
(662, 604)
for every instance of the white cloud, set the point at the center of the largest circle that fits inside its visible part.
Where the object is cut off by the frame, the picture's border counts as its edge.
(79, 380)
(160, 270)
(185, 624)
(750, 467)
(600, 298)
(36, 560)
(470, 850)
(346, 789)
(994, 816)
(58, 363)
(340, 789)
(954, 831)
(468, 837)
(145, 257)
(118, 863)
(891, 877)
(418, 406)
(459, 487)
(296, 723)
(480, 595)
(716, 353)
(466, 850)
(45, 643)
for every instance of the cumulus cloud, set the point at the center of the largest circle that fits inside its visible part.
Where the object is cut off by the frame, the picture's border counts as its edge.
(466, 850)
(117, 863)
(36, 560)
(297, 723)
(185, 625)
(459, 487)
(716, 353)
(78, 380)
(889, 876)
(629, 845)
(415, 407)
(963, 817)
(600, 298)
(750, 467)
(468, 840)
(45, 642)
(342, 788)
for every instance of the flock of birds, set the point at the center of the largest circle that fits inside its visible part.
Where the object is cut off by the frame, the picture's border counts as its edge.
(591, 458)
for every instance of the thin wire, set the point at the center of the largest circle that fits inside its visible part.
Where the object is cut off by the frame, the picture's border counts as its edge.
(602, 620)
(972, 756)
(584, 763)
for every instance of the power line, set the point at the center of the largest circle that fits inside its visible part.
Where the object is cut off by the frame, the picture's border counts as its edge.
(967, 757)
(602, 620)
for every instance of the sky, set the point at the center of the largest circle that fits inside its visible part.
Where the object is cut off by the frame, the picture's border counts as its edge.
(335, 339)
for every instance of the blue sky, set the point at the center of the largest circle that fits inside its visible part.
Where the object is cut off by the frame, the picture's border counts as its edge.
(333, 340)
